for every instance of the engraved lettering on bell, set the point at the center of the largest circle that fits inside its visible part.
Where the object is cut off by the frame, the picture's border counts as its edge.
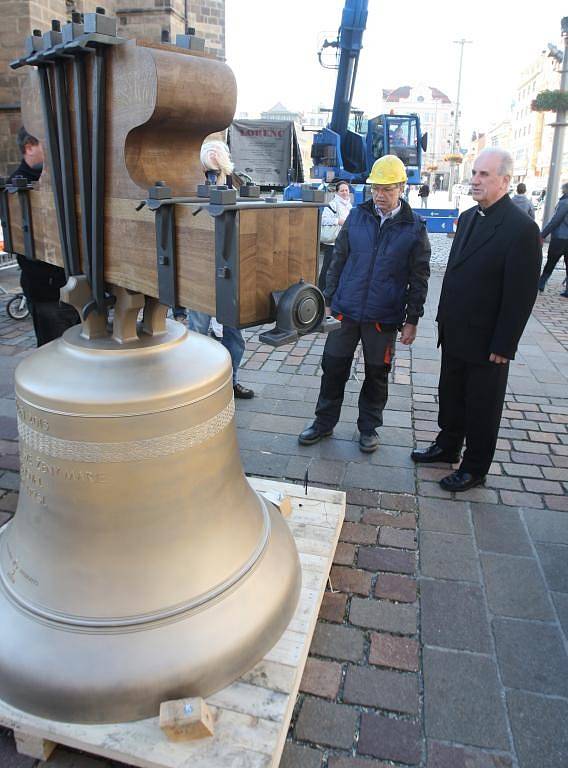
(134, 450)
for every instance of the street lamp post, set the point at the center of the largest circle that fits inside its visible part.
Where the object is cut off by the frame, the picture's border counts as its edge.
(461, 43)
(558, 140)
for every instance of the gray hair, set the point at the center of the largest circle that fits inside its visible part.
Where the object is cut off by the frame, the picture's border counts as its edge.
(505, 160)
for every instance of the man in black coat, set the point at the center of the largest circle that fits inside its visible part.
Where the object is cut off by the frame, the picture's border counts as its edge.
(487, 296)
(41, 281)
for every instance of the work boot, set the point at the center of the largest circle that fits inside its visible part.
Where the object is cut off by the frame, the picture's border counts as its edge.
(368, 441)
(242, 393)
(313, 434)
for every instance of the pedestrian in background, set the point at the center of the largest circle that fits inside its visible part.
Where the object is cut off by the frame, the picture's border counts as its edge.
(487, 296)
(423, 194)
(376, 284)
(40, 281)
(521, 200)
(332, 219)
(558, 228)
(218, 167)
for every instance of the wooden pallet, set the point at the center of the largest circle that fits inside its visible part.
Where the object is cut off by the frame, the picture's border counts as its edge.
(253, 714)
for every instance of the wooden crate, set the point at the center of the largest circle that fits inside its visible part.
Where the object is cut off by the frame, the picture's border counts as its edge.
(253, 714)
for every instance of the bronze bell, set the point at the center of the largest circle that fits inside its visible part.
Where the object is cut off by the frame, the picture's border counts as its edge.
(140, 565)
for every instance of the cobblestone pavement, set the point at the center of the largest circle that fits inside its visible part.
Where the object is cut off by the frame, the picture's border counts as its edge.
(442, 641)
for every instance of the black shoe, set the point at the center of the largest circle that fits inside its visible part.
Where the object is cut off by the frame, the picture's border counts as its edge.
(313, 434)
(461, 481)
(541, 284)
(434, 453)
(242, 393)
(564, 294)
(368, 441)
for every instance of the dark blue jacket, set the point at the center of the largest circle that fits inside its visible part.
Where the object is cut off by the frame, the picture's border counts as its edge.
(380, 274)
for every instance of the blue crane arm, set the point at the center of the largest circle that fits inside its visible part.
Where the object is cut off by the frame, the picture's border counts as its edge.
(353, 23)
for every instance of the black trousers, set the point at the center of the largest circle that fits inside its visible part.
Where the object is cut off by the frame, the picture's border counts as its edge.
(327, 252)
(340, 346)
(557, 248)
(51, 319)
(471, 397)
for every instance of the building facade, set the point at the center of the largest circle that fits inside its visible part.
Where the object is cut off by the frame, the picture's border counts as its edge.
(437, 116)
(146, 19)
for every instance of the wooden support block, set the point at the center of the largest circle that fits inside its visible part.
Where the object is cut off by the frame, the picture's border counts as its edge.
(186, 719)
(280, 500)
(33, 746)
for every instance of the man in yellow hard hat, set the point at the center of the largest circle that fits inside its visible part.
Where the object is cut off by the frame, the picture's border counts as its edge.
(376, 285)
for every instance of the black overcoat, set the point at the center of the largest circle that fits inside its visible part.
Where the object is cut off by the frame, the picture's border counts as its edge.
(490, 284)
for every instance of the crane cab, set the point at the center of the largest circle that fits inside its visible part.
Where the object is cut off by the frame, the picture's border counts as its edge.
(397, 135)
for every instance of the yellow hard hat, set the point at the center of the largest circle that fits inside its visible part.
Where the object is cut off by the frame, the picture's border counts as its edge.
(388, 169)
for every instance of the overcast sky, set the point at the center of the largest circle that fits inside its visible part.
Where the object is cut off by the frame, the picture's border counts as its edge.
(272, 47)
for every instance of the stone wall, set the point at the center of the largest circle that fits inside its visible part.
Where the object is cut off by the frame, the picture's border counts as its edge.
(144, 19)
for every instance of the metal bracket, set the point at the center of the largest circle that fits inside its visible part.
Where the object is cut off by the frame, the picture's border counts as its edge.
(226, 267)
(21, 186)
(5, 217)
(165, 243)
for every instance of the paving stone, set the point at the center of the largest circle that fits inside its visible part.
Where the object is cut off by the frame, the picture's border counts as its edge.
(546, 525)
(353, 513)
(498, 529)
(383, 559)
(325, 723)
(9, 502)
(394, 587)
(350, 580)
(297, 756)
(539, 729)
(390, 739)
(448, 516)
(399, 502)
(9, 758)
(381, 688)
(557, 502)
(358, 533)
(531, 656)
(395, 479)
(393, 651)
(264, 464)
(337, 642)
(506, 483)
(319, 470)
(344, 553)
(10, 481)
(521, 499)
(321, 678)
(515, 587)
(560, 600)
(531, 458)
(362, 498)
(543, 486)
(522, 470)
(448, 556)
(8, 428)
(453, 615)
(449, 756)
(354, 762)
(462, 699)
(396, 537)
(380, 614)
(482, 494)
(405, 520)
(332, 607)
(554, 562)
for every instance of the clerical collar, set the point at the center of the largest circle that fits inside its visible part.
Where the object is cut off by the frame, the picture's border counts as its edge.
(390, 215)
(492, 208)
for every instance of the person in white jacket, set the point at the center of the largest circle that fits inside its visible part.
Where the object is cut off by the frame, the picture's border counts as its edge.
(334, 215)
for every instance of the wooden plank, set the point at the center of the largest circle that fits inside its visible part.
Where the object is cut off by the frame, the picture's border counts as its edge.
(252, 715)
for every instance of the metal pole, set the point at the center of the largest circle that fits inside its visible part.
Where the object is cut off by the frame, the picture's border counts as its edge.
(558, 140)
(461, 43)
